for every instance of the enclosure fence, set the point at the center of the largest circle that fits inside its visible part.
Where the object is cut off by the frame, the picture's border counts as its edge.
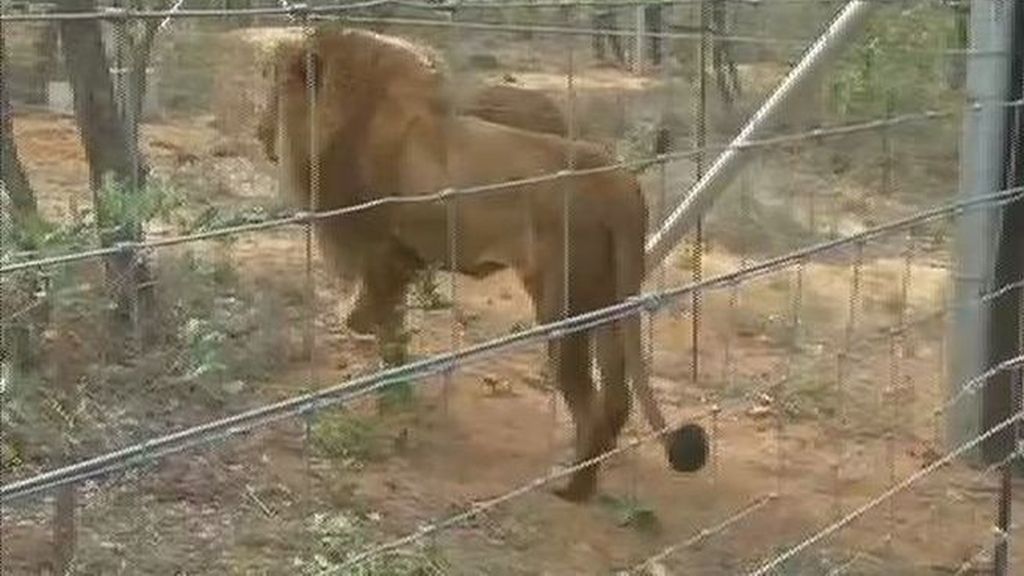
(664, 300)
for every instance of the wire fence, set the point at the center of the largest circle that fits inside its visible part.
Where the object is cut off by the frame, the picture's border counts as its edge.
(790, 365)
(350, 391)
(299, 9)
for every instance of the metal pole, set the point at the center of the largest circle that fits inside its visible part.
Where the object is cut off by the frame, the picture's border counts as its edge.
(982, 164)
(1001, 555)
(638, 45)
(1004, 512)
(701, 141)
(1010, 327)
(818, 57)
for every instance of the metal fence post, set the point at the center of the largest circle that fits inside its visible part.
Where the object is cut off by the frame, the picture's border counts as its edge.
(1008, 319)
(638, 41)
(982, 165)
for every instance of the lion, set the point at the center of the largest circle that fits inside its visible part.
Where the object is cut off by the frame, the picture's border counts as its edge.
(503, 103)
(384, 127)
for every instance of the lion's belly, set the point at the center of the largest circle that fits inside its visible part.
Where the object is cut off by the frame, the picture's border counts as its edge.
(498, 228)
(487, 236)
(489, 241)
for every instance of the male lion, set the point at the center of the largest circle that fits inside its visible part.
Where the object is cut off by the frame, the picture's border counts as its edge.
(382, 128)
(505, 103)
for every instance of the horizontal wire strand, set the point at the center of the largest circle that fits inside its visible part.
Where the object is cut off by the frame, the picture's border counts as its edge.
(706, 533)
(286, 8)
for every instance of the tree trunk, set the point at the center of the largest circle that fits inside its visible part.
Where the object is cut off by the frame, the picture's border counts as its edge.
(67, 369)
(112, 154)
(956, 72)
(64, 528)
(12, 174)
(107, 148)
(17, 349)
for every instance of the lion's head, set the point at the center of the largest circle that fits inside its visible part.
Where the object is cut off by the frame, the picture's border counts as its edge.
(367, 91)
(366, 88)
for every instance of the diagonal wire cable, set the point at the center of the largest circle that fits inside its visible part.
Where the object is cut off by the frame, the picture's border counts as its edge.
(862, 554)
(120, 13)
(300, 218)
(706, 533)
(703, 534)
(560, 30)
(170, 16)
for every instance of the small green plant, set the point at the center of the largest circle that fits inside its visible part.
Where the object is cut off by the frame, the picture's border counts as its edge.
(10, 456)
(204, 341)
(31, 432)
(123, 211)
(348, 437)
(47, 238)
(397, 395)
(121, 215)
(427, 293)
(632, 513)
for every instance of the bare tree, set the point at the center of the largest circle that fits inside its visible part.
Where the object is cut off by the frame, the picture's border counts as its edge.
(110, 139)
(105, 136)
(12, 173)
(109, 134)
(21, 213)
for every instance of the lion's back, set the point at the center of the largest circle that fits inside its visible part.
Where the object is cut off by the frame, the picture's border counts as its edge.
(518, 107)
(488, 153)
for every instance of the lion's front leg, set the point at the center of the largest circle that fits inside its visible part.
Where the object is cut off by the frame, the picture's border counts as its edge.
(380, 306)
(360, 318)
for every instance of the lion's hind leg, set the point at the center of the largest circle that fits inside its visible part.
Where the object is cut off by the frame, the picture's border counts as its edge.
(615, 396)
(570, 357)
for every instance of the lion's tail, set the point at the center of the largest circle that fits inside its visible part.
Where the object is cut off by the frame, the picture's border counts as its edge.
(628, 248)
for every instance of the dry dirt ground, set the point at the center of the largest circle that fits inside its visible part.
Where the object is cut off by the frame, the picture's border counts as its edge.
(268, 502)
